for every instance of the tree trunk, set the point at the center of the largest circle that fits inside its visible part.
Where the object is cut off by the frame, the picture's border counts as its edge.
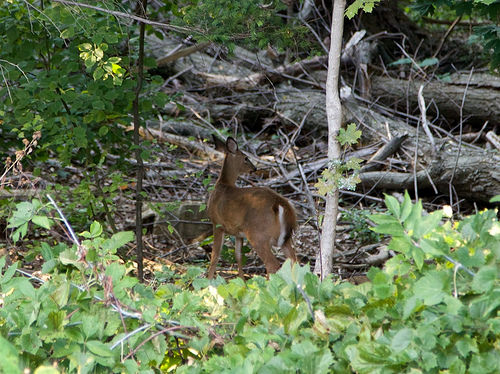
(324, 259)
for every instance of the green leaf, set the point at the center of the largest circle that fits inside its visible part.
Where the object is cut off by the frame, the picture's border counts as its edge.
(428, 62)
(9, 273)
(434, 247)
(393, 206)
(85, 47)
(465, 345)
(98, 73)
(406, 207)
(401, 340)
(401, 61)
(366, 5)
(98, 348)
(95, 229)
(401, 244)
(412, 223)
(432, 287)
(10, 357)
(103, 130)
(485, 279)
(67, 33)
(42, 221)
(382, 283)
(418, 256)
(495, 199)
(118, 240)
(429, 223)
(349, 136)
(393, 229)
(383, 219)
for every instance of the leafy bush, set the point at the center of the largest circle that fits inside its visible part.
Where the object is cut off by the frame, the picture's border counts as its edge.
(433, 308)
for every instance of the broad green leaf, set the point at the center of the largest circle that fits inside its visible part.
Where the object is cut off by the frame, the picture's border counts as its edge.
(85, 47)
(434, 248)
(42, 221)
(465, 345)
(418, 256)
(98, 348)
(453, 305)
(118, 240)
(67, 33)
(383, 218)
(413, 221)
(485, 362)
(411, 305)
(432, 287)
(9, 362)
(369, 357)
(115, 271)
(61, 294)
(394, 229)
(401, 244)
(98, 73)
(9, 273)
(406, 207)
(383, 286)
(401, 340)
(393, 206)
(95, 229)
(397, 266)
(428, 223)
(349, 135)
(485, 279)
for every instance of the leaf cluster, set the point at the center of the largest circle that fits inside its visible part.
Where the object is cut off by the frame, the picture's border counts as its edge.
(342, 174)
(67, 74)
(225, 21)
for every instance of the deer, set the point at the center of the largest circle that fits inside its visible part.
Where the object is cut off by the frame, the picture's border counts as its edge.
(259, 214)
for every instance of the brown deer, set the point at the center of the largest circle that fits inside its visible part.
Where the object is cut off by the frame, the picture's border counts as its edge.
(261, 215)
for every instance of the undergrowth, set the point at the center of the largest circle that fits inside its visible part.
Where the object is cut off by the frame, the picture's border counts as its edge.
(433, 308)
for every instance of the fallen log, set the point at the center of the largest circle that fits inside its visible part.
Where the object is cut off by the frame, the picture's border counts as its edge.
(482, 100)
(472, 172)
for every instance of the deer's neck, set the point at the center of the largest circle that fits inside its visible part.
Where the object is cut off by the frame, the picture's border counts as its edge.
(227, 175)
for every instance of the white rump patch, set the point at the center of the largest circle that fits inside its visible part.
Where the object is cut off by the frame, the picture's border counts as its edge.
(281, 216)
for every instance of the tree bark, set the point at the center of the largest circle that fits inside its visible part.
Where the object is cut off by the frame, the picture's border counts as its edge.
(324, 259)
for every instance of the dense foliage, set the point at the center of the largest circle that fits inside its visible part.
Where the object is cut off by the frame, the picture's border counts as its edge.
(434, 306)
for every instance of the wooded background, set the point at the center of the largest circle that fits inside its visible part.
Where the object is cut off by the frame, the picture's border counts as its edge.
(109, 107)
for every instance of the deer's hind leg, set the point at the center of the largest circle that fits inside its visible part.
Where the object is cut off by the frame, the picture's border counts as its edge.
(263, 248)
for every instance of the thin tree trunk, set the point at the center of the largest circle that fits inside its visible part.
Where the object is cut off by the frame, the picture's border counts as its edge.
(141, 12)
(324, 259)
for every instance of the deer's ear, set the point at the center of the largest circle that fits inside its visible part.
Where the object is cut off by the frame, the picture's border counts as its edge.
(231, 145)
(219, 144)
